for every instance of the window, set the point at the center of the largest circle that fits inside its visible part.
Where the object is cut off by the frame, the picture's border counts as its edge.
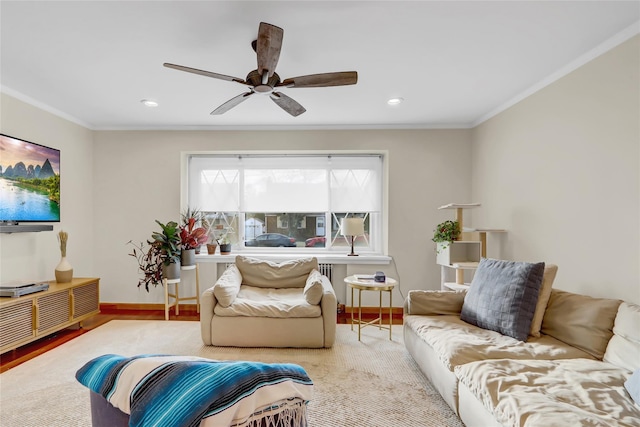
(293, 201)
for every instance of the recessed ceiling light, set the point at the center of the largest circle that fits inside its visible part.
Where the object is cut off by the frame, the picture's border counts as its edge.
(395, 101)
(149, 103)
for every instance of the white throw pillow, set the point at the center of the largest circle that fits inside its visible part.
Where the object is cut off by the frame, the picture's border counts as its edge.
(227, 286)
(633, 386)
(313, 289)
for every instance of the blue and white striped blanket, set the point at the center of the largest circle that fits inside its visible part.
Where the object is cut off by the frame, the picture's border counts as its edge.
(185, 391)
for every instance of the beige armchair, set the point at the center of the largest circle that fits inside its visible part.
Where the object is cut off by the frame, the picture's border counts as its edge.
(258, 303)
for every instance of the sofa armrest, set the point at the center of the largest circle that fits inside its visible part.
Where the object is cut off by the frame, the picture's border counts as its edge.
(433, 303)
(208, 302)
(329, 307)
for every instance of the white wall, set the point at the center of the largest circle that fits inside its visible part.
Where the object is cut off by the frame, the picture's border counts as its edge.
(137, 180)
(34, 256)
(560, 171)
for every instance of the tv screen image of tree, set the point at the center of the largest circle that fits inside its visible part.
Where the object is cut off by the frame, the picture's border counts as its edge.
(29, 181)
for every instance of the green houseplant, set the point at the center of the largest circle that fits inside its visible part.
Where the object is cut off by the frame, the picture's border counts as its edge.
(445, 233)
(160, 257)
(169, 242)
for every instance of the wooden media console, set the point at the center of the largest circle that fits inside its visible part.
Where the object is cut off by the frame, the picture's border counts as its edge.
(31, 317)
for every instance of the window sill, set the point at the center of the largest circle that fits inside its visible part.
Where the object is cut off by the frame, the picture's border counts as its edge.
(284, 256)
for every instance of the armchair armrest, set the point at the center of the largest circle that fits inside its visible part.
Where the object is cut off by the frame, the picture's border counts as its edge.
(329, 306)
(433, 303)
(208, 302)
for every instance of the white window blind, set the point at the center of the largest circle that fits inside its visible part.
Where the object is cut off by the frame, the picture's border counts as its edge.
(356, 184)
(214, 183)
(286, 183)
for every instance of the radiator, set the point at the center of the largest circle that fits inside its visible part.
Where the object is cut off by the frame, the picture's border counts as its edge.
(327, 270)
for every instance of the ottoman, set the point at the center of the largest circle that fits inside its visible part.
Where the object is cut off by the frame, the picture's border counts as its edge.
(177, 391)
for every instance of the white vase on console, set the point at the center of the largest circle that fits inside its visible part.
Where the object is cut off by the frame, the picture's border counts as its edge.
(64, 271)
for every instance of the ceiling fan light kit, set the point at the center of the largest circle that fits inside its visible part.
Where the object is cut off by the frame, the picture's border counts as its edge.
(264, 80)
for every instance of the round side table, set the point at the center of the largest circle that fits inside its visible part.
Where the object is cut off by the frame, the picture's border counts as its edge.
(370, 285)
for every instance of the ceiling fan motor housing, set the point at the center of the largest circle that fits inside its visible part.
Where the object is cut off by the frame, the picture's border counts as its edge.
(255, 79)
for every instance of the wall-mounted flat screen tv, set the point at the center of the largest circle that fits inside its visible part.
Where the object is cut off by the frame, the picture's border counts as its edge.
(29, 181)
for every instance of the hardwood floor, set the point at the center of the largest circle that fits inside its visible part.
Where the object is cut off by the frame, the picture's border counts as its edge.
(13, 358)
(20, 355)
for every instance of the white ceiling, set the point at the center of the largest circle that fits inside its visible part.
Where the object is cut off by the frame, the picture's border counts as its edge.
(455, 63)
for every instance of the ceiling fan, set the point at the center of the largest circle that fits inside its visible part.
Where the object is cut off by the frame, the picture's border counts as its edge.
(265, 80)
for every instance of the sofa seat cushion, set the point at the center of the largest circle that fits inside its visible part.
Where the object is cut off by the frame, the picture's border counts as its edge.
(546, 393)
(457, 342)
(254, 301)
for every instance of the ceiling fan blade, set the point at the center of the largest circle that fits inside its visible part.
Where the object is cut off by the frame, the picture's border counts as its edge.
(204, 73)
(231, 103)
(342, 78)
(268, 48)
(287, 104)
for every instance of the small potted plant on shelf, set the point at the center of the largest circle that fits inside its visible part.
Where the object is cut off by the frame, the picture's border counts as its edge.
(191, 237)
(225, 246)
(445, 233)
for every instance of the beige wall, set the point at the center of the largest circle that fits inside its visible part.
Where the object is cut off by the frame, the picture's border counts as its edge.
(34, 256)
(137, 180)
(560, 171)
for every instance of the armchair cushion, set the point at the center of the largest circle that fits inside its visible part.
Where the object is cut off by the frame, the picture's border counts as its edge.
(267, 274)
(227, 286)
(313, 289)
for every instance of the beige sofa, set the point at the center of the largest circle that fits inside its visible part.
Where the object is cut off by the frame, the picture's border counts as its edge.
(573, 374)
(257, 303)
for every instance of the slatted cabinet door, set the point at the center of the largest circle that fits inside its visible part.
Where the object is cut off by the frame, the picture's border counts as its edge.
(53, 311)
(16, 323)
(85, 300)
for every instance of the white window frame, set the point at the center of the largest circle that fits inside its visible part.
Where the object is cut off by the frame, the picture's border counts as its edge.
(381, 223)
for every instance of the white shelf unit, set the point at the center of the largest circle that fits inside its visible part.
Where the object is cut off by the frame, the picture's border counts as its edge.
(463, 254)
(466, 254)
(455, 258)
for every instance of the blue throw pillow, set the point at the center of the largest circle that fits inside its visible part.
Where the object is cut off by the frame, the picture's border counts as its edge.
(503, 296)
(633, 386)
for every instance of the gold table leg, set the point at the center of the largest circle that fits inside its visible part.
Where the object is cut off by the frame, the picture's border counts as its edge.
(359, 312)
(390, 314)
(352, 308)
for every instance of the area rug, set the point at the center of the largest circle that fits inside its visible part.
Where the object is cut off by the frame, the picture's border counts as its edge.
(373, 382)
